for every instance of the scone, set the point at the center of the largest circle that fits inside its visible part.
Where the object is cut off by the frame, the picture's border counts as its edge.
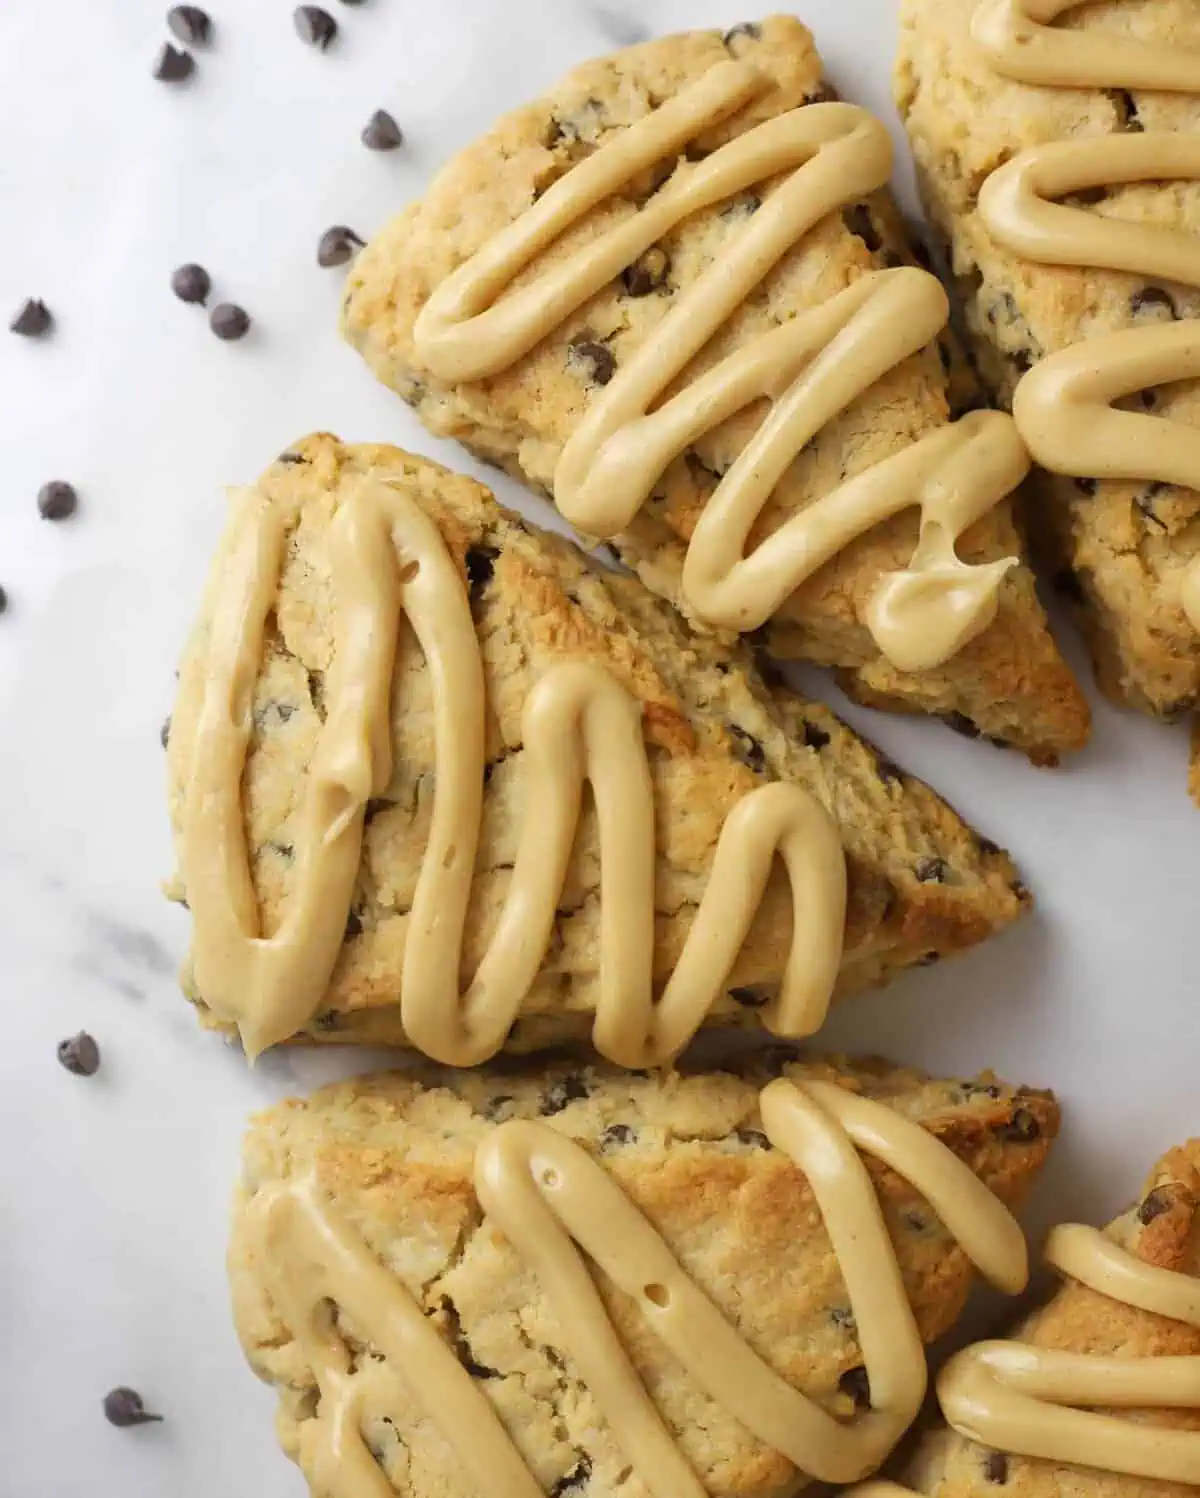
(674, 295)
(386, 718)
(1059, 163)
(1116, 1346)
(592, 1282)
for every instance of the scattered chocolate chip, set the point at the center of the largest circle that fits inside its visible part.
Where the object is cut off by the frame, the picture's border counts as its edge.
(164, 733)
(80, 1055)
(592, 359)
(229, 321)
(749, 998)
(617, 1134)
(32, 320)
(1153, 298)
(647, 273)
(814, 737)
(1066, 582)
(337, 245)
(931, 870)
(857, 218)
(190, 24)
(480, 565)
(748, 749)
(3, 600)
(314, 26)
(352, 2)
(1021, 1128)
(754, 1137)
(749, 31)
(857, 1386)
(995, 1467)
(1156, 1202)
(57, 500)
(173, 64)
(960, 723)
(124, 1407)
(191, 283)
(569, 1090)
(381, 132)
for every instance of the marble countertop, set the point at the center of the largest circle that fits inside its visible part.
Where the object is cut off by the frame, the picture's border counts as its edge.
(113, 1191)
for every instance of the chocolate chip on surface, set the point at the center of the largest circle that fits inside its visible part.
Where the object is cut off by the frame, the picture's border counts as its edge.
(381, 132)
(191, 283)
(33, 319)
(229, 321)
(647, 273)
(314, 26)
(1021, 1128)
(995, 1467)
(190, 24)
(80, 1055)
(124, 1407)
(592, 359)
(173, 64)
(337, 245)
(1156, 1202)
(57, 500)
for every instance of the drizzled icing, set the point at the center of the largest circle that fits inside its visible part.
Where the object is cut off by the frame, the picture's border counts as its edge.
(1063, 407)
(579, 725)
(1014, 1397)
(560, 1209)
(811, 368)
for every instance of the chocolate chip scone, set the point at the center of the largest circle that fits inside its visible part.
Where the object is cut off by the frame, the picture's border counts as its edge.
(1058, 165)
(674, 295)
(346, 663)
(1130, 1300)
(744, 1310)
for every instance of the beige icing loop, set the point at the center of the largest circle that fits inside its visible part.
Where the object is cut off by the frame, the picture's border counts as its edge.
(811, 368)
(579, 727)
(560, 1210)
(1062, 406)
(1011, 1396)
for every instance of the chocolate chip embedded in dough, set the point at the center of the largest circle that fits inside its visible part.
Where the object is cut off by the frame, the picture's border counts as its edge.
(1154, 1204)
(592, 359)
(931, 870)
(857, 1386)
(995, 1467)
(647, 273)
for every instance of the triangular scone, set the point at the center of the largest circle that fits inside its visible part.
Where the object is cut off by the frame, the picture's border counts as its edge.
(1120, 548)
(1009, 682)
(920, 883)
(397, 1268)
(1162, 1233)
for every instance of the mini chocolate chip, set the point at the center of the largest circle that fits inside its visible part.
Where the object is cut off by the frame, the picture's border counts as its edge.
(32, 320)
(354, 926)
(191, 283)
(1152, 297)
(960, 723)
(164, 733)
(855, 1383)
(124, 1407)
(314, 26)
(617, 1134)
(596, 361)
(190, 24)
(749, 998)
(574, 1480)
(80, 1055)
(995, 1467)
(1021, 1128)
(381, 132)
(748, 749)
(749, 30)
(858, 220)
(814, 737)
(57, 500)
(1066, 582)
(337, 245)
(1156, 1202)
(557, 1096)
(173, 64)
(647, 273)
(931, 870)
(481, 562)
(229, 321)
(754, 1137)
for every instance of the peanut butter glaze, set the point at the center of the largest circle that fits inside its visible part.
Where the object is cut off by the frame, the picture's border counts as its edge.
(561, 1210)
(811, 368)
(580, 727)
(1063, 406)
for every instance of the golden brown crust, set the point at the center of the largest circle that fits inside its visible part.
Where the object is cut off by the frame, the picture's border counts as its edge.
(1010, 683)
(922, 884)
(395, 1154)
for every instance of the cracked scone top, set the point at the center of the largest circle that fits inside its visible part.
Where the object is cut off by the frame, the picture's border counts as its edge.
(310, 723)
(404, 1271)
(1117, 1350)
(671, 294)
(1056, 150)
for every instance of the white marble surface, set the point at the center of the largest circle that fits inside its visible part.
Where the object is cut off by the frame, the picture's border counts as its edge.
(113, 1191)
